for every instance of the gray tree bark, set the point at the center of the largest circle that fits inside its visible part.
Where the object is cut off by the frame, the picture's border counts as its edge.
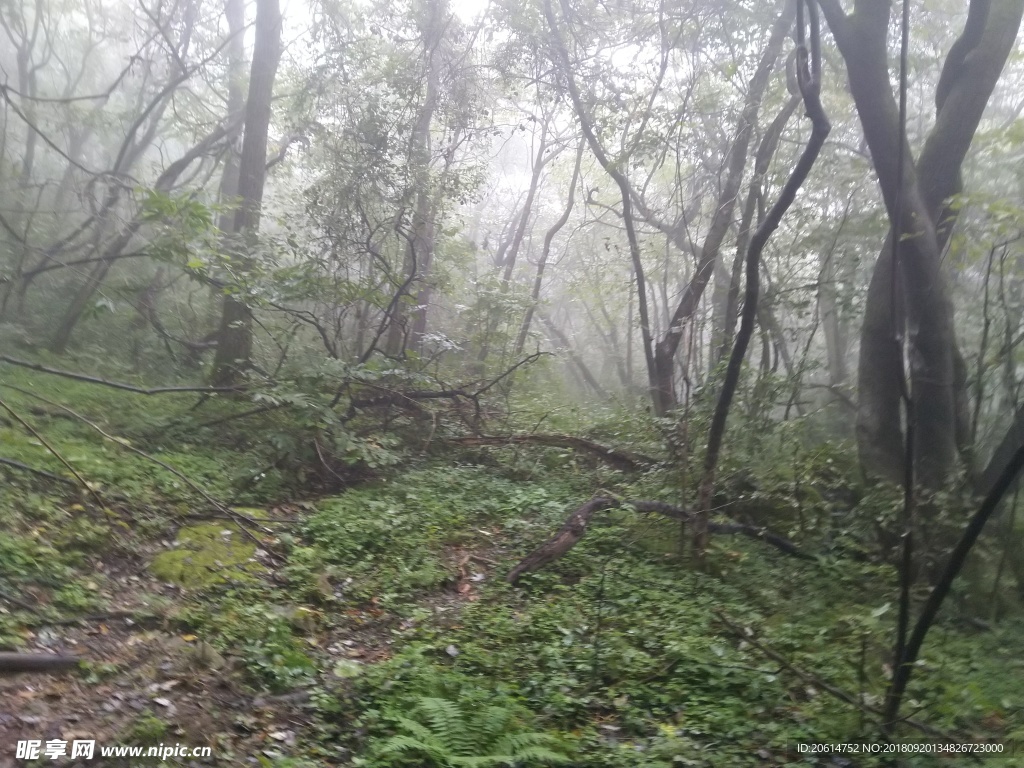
(924, 310)
(234, 344)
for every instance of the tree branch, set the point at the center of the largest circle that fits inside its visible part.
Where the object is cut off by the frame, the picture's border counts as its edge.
(113, 384)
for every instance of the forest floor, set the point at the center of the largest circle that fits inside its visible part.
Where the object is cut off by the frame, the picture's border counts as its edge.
(373, 626)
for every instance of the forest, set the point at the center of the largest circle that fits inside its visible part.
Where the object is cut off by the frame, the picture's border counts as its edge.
(453, 384)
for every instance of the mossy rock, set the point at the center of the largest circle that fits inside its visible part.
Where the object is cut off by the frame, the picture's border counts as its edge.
(206, 555)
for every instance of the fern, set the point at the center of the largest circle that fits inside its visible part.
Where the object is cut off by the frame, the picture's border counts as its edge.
(441, 732)
(448, 723)
(495, 722)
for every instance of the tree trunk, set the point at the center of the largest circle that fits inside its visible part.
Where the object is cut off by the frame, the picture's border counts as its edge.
(409, 326)
(809, 78)
(549, 236)
(937, 373)
(234, 346)
(496, 313)
(664, 395)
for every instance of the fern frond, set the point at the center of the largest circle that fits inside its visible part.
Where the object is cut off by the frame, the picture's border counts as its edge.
(484, 761)
(448, 724)
(540, 755)
(532, 748)
(401, 744)
(494, 722)
(418, 731)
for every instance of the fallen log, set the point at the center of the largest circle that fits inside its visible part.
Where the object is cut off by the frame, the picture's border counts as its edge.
(625, 460)
(14, 663)
(573, 529)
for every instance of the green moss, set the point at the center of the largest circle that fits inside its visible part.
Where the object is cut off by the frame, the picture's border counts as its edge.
(206, 555)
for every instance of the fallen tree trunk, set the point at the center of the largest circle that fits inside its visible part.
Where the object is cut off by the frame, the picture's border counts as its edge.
(573, 529)
(13, 663)
(626, 460)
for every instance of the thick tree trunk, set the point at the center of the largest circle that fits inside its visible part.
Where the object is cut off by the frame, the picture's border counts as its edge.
(937, 373)
(234, 347)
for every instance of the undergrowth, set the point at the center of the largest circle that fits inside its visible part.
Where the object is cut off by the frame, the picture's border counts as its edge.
(387, 605)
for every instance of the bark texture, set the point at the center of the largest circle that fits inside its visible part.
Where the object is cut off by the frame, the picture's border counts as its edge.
(234, 347)
(923, 309)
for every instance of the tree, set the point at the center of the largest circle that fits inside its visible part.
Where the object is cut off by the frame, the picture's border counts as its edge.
(234, 344)
(924, 310)
(660, 355)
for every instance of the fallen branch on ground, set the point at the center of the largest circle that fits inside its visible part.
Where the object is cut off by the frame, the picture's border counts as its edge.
(572, 530)
(617, 458)
(13, 663)
(39, 472)
(56, 454)
(409, 398)
(243, 521)
(112, 384)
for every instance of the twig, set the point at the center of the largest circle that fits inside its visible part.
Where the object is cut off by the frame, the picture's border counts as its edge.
(17, 601)
(92, 491)
(236, 416)
(525, 361)
(248, 518)
(809, 677)
(930, 610)
(113, 384)
(220, 506)
(107, 616)
(484, 560)
(34, 471)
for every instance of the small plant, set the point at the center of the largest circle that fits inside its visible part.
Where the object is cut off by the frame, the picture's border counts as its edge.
(147, 729)
(444, 734)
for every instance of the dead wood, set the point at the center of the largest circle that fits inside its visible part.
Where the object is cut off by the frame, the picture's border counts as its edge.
(32, 470)
(14, 663)
(573, 529)
(625, 460)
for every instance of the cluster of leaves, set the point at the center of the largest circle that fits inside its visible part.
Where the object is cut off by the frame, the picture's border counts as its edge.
(447, 735)
(390, 540)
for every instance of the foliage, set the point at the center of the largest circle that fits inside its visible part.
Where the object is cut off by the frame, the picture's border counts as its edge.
(614, 654)
(388, 540)
(388, 305)
(447, 736)
(262, 633)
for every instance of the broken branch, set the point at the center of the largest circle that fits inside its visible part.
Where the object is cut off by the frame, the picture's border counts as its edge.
(617, 458)
(573, 529)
